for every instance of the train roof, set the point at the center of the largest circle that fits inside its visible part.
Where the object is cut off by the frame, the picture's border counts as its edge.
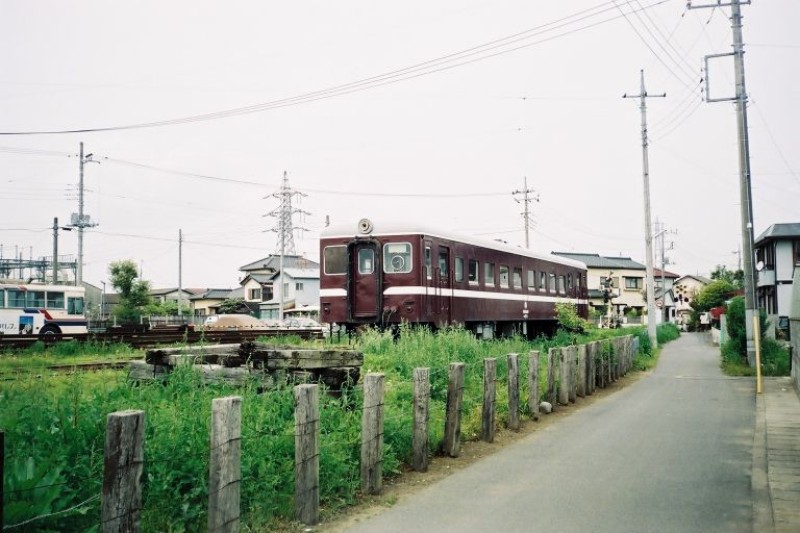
(408, 228)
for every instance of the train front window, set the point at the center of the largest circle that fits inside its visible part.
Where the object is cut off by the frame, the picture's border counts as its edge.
(334, 259)
(397, 258)
(55, 300)
(75, 306)
(366, 261)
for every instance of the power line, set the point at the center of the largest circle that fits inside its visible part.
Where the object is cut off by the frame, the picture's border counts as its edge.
(505, 45)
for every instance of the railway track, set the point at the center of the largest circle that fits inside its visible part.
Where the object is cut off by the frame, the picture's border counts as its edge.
(156, 337)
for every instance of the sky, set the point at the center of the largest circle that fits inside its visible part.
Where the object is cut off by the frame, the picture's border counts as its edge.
(427, 111)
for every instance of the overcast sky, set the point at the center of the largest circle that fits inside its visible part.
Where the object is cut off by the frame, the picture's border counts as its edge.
(494, 92)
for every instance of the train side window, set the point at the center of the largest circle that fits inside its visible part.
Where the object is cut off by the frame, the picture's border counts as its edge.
(459, 266)
(472, 275)
(366, 261)
(428, 263)
(397, 258)
(503, 276)
(562, 286)
(517, 278)
(36, 298)
(334, 259)
(578, 281)
(2, 298)
(569, 282)
(16, 298)
(55, 300)
(553, 283)
(444, 268)
(488, 274)
(542, 281)
(531, 280)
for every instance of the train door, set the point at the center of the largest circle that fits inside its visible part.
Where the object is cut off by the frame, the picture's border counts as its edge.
(444, 289)
(429, 282)
(365, 294)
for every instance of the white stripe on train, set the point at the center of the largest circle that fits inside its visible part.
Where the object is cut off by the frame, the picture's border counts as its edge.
(460, 293)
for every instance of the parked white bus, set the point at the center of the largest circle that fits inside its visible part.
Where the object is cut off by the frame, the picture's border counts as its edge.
(40, 309)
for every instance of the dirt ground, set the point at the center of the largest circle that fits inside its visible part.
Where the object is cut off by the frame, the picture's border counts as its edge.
(406, 484)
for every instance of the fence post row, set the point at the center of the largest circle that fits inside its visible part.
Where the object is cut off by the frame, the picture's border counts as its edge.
(563, 381)
(2, 474)
(306, 453)
(582, 371)
(489, 387)
(122, 472)
(513, 391)
(533, 384)
(372, 434)
(452, 423)
(422, 394)
(572, 354)
(225, 468)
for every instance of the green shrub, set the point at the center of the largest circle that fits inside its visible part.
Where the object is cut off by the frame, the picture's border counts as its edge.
(774, 358)
(667, 332)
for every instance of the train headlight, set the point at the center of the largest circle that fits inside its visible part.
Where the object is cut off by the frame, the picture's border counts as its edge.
(365, 226)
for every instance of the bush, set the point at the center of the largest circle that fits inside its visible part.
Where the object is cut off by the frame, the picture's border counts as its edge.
(774, 358)
(736, 325)
(667, 332)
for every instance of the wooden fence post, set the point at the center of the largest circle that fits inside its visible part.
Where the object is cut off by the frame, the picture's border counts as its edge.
(225, 467)
(582, 371)
(609, 349)
(2, 474)
(452, 422)
(372, 435)
(513, 391)
(489, 388)
(533, 384)
(306, 453)
(552, 358)
(572, 356)
(563, 383)
(122, 472)
(591, 371)
(422, 396)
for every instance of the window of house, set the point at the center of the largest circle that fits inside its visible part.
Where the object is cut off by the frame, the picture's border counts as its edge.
(255, 294)
(633, 283)
(397, 257)
(298, 286)
(459, 266)
(366, 261)
(488, 274)
(472, 273)
(531, 280)
(504, 276)
(334, 259)
(562, 285)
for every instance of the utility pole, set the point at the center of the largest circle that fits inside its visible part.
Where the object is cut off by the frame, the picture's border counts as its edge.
(180, 269)
(648, 228)
(285, 230)
(746, 200)
(55, 251)
(527, 198)
(79, 220)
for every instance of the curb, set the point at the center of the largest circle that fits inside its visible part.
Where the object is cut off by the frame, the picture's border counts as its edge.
(763, 517)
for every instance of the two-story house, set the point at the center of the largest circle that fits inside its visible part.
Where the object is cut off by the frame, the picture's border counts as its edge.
(258, 280)
(622, 276)
(777, 252)
(299, 292)
(685, 288)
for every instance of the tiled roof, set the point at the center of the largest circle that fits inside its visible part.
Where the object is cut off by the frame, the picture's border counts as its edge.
(273, 262)
(779, 231)
(212, 294)
(598, 261)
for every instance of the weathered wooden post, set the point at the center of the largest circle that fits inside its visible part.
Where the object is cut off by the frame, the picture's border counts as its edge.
(513, 391)
(225, 468)
(452, 422)
(422, 397)
(2, 474)
(552, 359)
(533, 383)
(563, 383)
(489, 388)
(122, 472)
(591, 371)
(306, 453)
(572, 356)
(372, 435)
(582, 370)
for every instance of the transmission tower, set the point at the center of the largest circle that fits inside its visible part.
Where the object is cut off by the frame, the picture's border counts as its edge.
(285, 228)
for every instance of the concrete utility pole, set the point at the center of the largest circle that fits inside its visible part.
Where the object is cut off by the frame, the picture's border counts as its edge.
(746, 200)
(180, 270)
(285, 230)
(648, 228)
(527, 198)
(79, 220)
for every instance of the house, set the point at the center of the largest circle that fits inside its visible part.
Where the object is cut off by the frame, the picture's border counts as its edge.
(208, 301)
(685, 288)
(300, 291)
(663, 282)
(777, 252)
(173, 294)
(625, 279)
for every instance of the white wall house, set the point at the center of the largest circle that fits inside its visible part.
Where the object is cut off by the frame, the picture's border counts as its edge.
(300, 290)
(777, 256)
(685, 289)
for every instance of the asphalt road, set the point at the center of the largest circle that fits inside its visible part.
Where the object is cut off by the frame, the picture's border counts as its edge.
(670, 453)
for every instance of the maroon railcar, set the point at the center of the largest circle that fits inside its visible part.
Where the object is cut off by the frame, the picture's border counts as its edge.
(388, 275)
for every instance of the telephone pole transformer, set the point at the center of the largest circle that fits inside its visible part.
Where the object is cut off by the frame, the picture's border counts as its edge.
(79, 220)
(745, 190)
(648, 228)
(527, 198)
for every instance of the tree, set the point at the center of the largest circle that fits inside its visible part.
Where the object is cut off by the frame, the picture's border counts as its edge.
(134, 293)
(712, 295)
(231, 305)
(734, 277)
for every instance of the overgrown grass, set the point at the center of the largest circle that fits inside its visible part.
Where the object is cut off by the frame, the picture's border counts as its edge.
(774, 359)
(55, 430)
